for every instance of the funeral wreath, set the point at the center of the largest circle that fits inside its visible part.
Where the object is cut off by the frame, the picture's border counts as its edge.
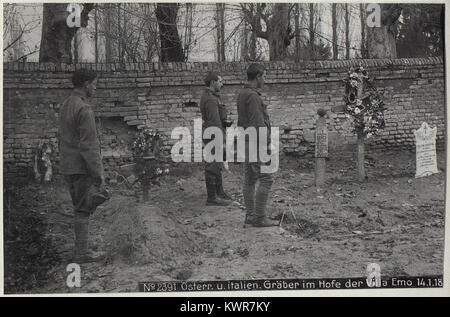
(364, 103)
(149, 167)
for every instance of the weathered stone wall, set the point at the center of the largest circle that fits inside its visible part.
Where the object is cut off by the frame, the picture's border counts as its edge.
(164, 96)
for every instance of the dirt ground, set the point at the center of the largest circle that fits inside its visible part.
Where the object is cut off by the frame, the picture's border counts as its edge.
(392, 219)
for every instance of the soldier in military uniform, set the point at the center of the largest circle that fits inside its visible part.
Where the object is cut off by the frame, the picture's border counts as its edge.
(214, 115)
(252, 113)
(81, 161)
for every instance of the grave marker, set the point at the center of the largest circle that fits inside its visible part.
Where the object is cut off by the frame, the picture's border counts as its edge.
(360, 157)
(321, 147)
(426, 163)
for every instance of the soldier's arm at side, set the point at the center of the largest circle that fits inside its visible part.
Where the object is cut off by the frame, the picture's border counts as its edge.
(256, 120)
(212, 114)
(89, 144)
(255, 112)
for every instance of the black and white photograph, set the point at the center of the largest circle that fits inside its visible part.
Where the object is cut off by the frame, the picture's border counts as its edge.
(223, 148)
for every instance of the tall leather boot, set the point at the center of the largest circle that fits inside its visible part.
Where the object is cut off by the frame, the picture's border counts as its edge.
(212, 200)
(81, 252)
(219, 188)
(261, 197)
(249, 201)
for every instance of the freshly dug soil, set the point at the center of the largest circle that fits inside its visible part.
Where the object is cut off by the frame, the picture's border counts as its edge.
(143, 234)
(392, 219)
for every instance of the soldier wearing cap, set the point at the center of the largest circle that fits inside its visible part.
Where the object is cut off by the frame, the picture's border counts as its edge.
(252, 113)
(80, 160)
(214, 115)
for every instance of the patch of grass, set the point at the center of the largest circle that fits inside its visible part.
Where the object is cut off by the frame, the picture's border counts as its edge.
(29, 253)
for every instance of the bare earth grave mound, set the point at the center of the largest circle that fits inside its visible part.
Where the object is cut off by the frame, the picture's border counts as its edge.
(141, 233)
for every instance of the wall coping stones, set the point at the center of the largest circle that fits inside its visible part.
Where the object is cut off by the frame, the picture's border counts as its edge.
(13, 67)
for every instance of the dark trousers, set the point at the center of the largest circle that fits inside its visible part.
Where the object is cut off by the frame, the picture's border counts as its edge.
(79, 184)
(255, 199)
(213, 176)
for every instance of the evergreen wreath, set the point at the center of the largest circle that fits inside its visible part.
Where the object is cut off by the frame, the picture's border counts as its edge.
(149, 168)
(366, 110)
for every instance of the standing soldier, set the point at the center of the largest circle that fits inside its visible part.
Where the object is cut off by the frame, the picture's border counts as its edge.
(252, 113)
(80, 160)
(213, 115)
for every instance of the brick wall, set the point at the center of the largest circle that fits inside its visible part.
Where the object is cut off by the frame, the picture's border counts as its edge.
(164, 96)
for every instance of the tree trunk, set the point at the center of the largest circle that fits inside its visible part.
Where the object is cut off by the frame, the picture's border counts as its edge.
(56, 38)
(217, 18)
(220, 28)
(119, 35)
(244, 52)
(171, 48)
(381, 40)
(347, 31)
(380, 43)
(253, 36)
(76, 48)
(107, 28)
(188, 29)
(334, 26)
(278, 32)
(362, 16)
(222, 32)
(311, 31)
(297, 32)
(96, 35)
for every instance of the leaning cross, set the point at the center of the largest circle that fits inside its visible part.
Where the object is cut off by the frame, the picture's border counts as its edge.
(321, 147)
(149, 162)
(360, 138)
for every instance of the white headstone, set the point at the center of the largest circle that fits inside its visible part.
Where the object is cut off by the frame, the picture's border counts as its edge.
(426, 163)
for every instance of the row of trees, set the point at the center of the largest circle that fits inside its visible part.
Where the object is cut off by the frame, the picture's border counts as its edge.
(291, 31)
(128, 30)
(406, 30)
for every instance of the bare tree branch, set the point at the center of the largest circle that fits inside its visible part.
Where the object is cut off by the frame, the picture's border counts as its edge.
(30, 53)
(252, 20)
(14, 41)
(25, 29)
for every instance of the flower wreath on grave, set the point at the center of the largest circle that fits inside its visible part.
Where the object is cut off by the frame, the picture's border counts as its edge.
(149, 167)
(43, 157)
(364, 103)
